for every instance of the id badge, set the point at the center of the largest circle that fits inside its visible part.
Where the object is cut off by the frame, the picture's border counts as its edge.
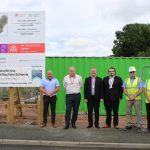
(93, 86)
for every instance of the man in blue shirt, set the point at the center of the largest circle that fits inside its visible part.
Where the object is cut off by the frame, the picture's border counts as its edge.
(49, 87)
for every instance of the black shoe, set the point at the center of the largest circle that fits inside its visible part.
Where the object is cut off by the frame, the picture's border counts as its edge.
(139, 130)
(97, 126)
(66, 127)
(128, 127)
(74, 126)
(53, 125)
(89, 126)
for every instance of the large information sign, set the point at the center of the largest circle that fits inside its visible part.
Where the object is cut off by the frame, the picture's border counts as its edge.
(22, 49)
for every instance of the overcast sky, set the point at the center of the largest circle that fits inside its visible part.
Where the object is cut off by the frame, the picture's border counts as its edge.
(83, 27)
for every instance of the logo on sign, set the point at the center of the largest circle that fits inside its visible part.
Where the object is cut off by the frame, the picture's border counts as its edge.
(13, 49)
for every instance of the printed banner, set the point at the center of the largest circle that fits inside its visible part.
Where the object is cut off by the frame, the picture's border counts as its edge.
(22, 49)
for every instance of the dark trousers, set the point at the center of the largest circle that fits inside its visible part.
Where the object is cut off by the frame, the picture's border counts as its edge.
(52, 102)
(93, 103)
(112, 106)
(72, 101)
(148, 115)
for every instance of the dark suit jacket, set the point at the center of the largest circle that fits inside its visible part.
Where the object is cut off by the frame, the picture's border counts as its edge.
(98, 88)
(116, 92)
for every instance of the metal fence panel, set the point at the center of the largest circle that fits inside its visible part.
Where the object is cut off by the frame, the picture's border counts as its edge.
(60, 67)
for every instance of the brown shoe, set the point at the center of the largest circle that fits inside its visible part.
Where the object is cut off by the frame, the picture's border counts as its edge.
(106, 126)
(116, 127)
(43, 125)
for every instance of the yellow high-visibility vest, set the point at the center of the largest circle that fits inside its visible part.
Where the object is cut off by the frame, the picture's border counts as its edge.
(133, 88)
(148, 89)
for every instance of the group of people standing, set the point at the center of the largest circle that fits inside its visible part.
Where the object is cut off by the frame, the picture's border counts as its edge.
(109, 89)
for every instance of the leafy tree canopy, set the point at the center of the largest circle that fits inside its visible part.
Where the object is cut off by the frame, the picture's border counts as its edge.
(132, 41)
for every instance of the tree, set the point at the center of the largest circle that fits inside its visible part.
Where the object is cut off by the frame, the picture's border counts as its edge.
(133, 40)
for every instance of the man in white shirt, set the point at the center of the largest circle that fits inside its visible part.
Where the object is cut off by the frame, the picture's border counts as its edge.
(72, 84)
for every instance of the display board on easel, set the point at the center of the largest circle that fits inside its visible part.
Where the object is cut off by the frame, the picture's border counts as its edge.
(22, 51)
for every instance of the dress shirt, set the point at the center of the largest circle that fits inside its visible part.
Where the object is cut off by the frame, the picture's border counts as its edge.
(93, 86)
(50, 84)
(72, 85)
(111, 81)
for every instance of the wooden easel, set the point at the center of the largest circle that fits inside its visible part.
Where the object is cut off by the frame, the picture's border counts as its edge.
(40, 109)
(11, 105)
(14, 105)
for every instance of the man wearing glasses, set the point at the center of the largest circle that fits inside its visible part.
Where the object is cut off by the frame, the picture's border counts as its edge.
(133, 88)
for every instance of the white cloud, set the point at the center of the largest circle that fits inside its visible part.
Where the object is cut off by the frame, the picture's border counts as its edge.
(83, 27)
(78, 47)
(79, 43)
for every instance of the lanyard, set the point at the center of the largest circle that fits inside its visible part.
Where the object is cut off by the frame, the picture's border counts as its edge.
(72, 80)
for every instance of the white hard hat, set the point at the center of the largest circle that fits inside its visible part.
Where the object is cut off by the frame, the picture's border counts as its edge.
(132, 69)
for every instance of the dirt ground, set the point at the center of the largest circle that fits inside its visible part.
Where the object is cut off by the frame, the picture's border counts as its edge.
(30, 118)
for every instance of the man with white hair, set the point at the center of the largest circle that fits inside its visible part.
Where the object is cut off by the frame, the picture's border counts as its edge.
(72, 84)
(49, 87)
(133, 88)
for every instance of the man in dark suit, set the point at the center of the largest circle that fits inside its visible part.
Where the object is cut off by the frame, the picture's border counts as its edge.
(112, 92)
(92, 94)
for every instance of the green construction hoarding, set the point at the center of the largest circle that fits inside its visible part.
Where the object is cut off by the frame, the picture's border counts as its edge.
(60, 67)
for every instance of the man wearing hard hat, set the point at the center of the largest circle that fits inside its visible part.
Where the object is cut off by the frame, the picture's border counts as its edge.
(133, 88)
(147, 95)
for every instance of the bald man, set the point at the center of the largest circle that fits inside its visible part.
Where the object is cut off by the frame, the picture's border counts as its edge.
(49, 87)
